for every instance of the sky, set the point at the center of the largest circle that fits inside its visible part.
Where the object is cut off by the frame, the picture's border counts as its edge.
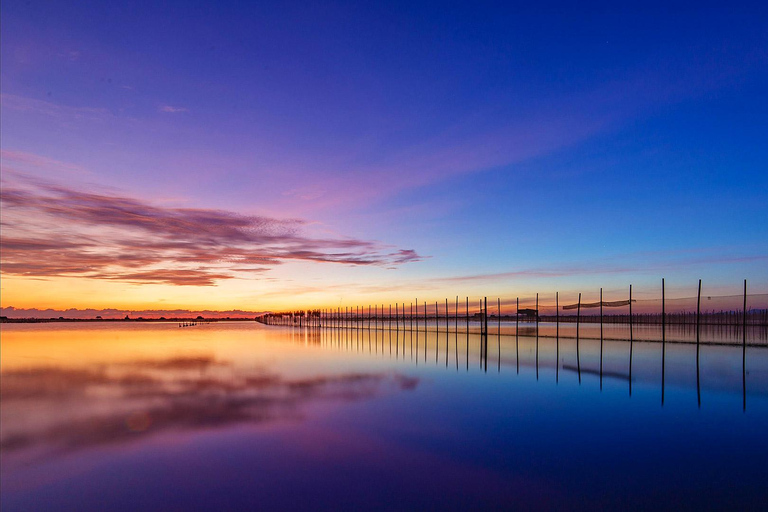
(274, 155)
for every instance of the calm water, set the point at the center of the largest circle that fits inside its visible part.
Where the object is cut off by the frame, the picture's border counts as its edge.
(115, 416)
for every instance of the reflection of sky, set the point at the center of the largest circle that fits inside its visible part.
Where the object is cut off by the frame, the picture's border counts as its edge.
(342, 153)
(246, 416)
(85, 408)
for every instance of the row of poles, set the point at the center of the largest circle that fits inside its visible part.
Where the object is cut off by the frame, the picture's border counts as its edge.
(384, 319)
(348, 327)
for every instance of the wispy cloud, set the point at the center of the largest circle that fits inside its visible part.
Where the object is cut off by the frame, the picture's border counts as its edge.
(29, 163)
(51, 230)
(172, 110)
(60, 112)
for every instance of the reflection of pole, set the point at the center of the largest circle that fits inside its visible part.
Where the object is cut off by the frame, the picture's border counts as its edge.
(698, 381)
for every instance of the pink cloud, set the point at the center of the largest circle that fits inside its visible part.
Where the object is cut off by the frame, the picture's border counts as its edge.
(172, 110)
(50, 230)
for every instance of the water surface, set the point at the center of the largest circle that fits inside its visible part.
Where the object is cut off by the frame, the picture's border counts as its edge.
(126, 416)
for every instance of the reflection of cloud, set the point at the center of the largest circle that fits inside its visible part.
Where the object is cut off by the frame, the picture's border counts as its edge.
(120, 402)
(53, 231)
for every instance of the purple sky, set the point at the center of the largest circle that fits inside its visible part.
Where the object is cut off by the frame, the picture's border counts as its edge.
(232, 156)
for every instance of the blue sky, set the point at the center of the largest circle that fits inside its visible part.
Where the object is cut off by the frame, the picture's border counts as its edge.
(556, 146)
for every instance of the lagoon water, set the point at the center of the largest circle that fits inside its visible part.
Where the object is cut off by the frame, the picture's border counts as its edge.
(238, 415)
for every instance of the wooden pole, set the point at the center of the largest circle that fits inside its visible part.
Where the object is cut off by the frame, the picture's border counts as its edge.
(482, 333)
(663, 312)
(663, 338)
(467, 316)
(485, 321)
(537, 336)
(744, 317)
(498, 330)
(557, 337)
(698, 324)
(744, 351)
(601, 338)
(631, 334)
(578, 317)
(698, 313)
(517, 339)
(437, 332)
(578, 359)
(456, 319)
(417, 323)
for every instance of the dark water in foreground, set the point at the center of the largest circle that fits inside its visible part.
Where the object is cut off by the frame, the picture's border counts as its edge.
(243, 416)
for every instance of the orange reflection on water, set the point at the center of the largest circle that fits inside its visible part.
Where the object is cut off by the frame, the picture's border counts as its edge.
(71, 387)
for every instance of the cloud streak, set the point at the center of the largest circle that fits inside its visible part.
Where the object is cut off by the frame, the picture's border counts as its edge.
(168, 109)
(51, 230)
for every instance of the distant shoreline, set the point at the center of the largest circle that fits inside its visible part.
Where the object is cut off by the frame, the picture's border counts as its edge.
(149, 320)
